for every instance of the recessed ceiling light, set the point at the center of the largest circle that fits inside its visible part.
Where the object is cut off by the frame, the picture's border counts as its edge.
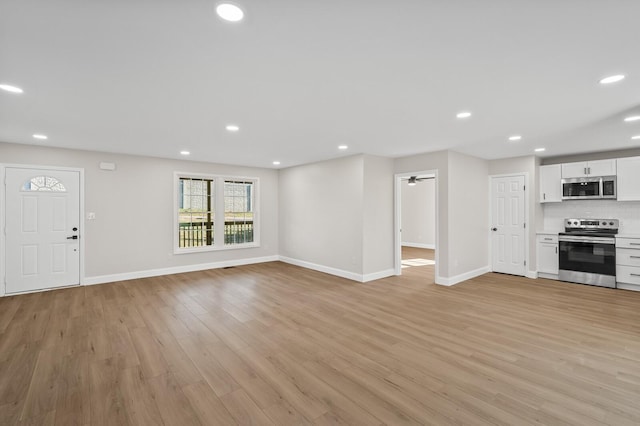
(612, 79)
(343, 147)
(636, 137)
(9, 88)
(39, 136)
(515, 138)
(540, 149)
(276, 163)
(184, 153)
(232, 128)
(229, 12)
(463, 114)
(632, 118)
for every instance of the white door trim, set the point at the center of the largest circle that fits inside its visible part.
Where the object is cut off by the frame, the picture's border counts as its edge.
(397, 222)
(527, 186)
(3, 167)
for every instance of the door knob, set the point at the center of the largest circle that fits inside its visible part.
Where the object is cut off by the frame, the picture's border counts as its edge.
(494, 229)
(74, 237)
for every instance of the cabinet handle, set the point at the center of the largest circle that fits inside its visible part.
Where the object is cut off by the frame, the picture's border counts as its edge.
(634, 244)
(556, 250)
(548, 239)
(589, 170)
(585, 170)
(634, 257)
(635, 275)
(544, 195)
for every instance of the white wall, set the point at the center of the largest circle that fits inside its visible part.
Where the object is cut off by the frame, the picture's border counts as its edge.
(337, 213)
(419, 214)
(628, 212)
(378, 238)
(321, 213)
(133, 230)
(337, 216)
(463, 211)
(468, 214)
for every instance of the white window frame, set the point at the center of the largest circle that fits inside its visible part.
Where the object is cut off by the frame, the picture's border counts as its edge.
(218, 208)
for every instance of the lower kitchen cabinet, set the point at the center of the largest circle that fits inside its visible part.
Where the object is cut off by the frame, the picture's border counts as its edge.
(628, 263)
(547, 249)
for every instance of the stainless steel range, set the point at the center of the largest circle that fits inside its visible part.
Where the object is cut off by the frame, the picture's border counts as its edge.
(588, 251)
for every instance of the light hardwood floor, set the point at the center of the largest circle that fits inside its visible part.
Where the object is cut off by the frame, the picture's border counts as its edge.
(417, 253)
(277, 344)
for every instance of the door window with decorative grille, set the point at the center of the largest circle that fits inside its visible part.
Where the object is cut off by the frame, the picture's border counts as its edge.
(200, 197)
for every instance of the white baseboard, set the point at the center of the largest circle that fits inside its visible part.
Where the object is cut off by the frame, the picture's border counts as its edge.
(547, 276)
(378, 275)
(531, 274)
(101, 279)
(624, 286)
(462, 277)
(339, 272)
(321, 268)
(420, 245)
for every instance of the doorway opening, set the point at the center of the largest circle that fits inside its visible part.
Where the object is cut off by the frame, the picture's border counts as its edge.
(416, 224)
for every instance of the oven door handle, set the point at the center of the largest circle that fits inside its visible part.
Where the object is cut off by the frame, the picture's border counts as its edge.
(593, 240)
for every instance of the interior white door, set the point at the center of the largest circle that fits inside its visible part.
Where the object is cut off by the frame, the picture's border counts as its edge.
(42, 215)
(508, 225)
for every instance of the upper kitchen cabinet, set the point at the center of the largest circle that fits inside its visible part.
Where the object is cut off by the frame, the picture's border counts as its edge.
(629, 179)
(589, 168)
(550, 185)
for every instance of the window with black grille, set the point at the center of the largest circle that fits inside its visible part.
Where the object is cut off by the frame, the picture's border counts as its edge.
(195, 214)
(200, 198)
(238, 212)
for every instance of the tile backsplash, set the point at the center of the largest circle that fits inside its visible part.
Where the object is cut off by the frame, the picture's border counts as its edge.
(628, 212)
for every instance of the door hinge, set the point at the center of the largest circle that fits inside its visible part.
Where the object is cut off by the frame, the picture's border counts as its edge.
(525, 263)
(524, 188)
(524, 225)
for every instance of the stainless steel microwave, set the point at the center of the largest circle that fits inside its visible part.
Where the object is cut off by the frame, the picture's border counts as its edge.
(587, 188)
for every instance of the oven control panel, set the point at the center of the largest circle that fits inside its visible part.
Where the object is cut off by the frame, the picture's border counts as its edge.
(591, 223)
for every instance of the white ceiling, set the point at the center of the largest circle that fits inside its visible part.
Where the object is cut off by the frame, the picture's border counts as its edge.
(300, 77)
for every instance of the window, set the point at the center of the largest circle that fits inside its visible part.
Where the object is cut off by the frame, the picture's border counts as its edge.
(195, 212)
(238, 212)
(200, 197)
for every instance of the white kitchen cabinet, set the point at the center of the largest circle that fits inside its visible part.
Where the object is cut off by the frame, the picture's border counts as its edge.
(589, 168)
(629, 179)
(602, 167)
(550, 184)
(547, 249)
(574, 170)
(628, 263)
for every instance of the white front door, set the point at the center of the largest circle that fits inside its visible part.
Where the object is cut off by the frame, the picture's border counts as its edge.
(507, 225)
(42, 215)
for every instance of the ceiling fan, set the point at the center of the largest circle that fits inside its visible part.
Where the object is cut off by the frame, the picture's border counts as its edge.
(413, 180)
